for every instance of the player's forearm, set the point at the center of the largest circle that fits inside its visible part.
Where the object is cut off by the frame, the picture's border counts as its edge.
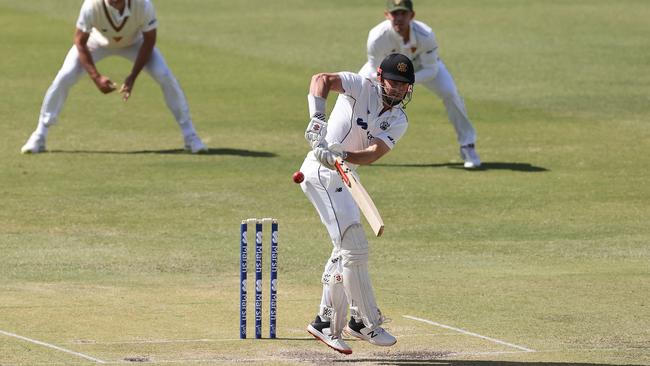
(368, 155)
(144, 55)
(85, 58)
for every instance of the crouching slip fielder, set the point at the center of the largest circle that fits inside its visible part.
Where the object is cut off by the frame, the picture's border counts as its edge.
(365, 124)
(401, 33)
(125, 28)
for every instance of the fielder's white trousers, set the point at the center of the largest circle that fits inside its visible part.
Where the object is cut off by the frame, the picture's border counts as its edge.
(332, 200)
(444, 87)
(72, 71)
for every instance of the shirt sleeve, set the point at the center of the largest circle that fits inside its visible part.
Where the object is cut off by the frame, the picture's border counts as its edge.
(428, 60)
(393, 134)
(150, 21)
(351, 83)
(85, 20)
(377, 49)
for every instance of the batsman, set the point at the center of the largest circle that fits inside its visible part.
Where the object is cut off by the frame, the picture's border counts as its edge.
(367, 121)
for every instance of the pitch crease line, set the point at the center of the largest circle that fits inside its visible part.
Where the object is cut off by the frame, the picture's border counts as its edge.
(52, 346)
(469, 333)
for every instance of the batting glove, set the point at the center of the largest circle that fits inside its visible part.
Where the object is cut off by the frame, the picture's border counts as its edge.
(316, 131)
(327, 155)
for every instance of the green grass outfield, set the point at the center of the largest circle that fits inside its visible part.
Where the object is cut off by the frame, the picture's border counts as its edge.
(117, 246)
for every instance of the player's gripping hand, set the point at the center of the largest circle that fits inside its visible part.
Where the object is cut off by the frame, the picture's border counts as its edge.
(104, 84)
(327, 155)
(316, 131)
(127, 87)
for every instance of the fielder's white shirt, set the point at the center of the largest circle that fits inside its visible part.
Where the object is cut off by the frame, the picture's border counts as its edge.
(356, 122)
(108, 28)
(422, 49)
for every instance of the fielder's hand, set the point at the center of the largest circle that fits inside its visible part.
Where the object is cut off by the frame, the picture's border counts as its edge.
(327, 155)
(126, 88)
(104, 84)
(316, 131)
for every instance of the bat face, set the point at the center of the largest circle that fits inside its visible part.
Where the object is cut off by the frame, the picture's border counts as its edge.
(360, 196)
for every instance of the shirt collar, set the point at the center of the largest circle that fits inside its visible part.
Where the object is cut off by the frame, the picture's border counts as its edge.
(412, 40)
(116, 14)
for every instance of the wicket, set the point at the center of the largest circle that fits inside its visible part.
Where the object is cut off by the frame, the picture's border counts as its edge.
(243, 270)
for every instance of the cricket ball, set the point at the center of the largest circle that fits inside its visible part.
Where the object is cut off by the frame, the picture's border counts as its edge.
(298, 177)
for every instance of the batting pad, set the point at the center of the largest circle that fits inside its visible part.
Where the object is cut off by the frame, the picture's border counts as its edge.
(356, 280)
(334, 303)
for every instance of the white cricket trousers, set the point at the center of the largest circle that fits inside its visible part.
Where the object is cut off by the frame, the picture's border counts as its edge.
(444, 87)
(332, 200)
(72, 71)
(349, 259)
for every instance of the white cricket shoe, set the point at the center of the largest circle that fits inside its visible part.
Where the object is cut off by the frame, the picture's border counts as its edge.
(321, 331)
(34, 145)
(470, 157)
(194, 144)
(378, 336)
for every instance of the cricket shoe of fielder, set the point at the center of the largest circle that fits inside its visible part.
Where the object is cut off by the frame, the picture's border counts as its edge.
(378, 336)
(321, 331)
(194, 144)
(470, 157)
(34, 145)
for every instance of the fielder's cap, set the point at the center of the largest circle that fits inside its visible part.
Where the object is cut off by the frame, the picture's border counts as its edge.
(397, 67)
(395, 5)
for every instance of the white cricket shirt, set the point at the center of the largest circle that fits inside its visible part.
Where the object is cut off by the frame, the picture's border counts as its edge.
(110, 29)
(356, 122)
(422, 49)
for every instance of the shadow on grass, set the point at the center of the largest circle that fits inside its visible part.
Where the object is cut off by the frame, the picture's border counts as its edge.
(221, 151)
(516, 167)
(442, 362)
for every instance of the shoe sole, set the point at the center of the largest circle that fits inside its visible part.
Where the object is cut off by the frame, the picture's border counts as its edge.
(348, 331)
(315, 333)
(31, 152)
(200, 151)
(471, 166)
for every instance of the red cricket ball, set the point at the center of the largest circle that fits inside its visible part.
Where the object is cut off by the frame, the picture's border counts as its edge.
(298, 177)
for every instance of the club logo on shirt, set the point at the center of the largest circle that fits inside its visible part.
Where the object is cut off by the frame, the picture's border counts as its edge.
(384, 125)
(360, 122)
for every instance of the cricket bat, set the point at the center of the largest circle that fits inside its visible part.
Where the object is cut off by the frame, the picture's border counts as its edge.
(360, 196)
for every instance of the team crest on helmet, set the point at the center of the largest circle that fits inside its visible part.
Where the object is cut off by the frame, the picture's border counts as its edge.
(397, 2)
(402, 67)
(384, 125)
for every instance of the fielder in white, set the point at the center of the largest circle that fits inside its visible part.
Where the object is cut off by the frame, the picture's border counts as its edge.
(401, 33)
(366, 123)
(125, 28)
